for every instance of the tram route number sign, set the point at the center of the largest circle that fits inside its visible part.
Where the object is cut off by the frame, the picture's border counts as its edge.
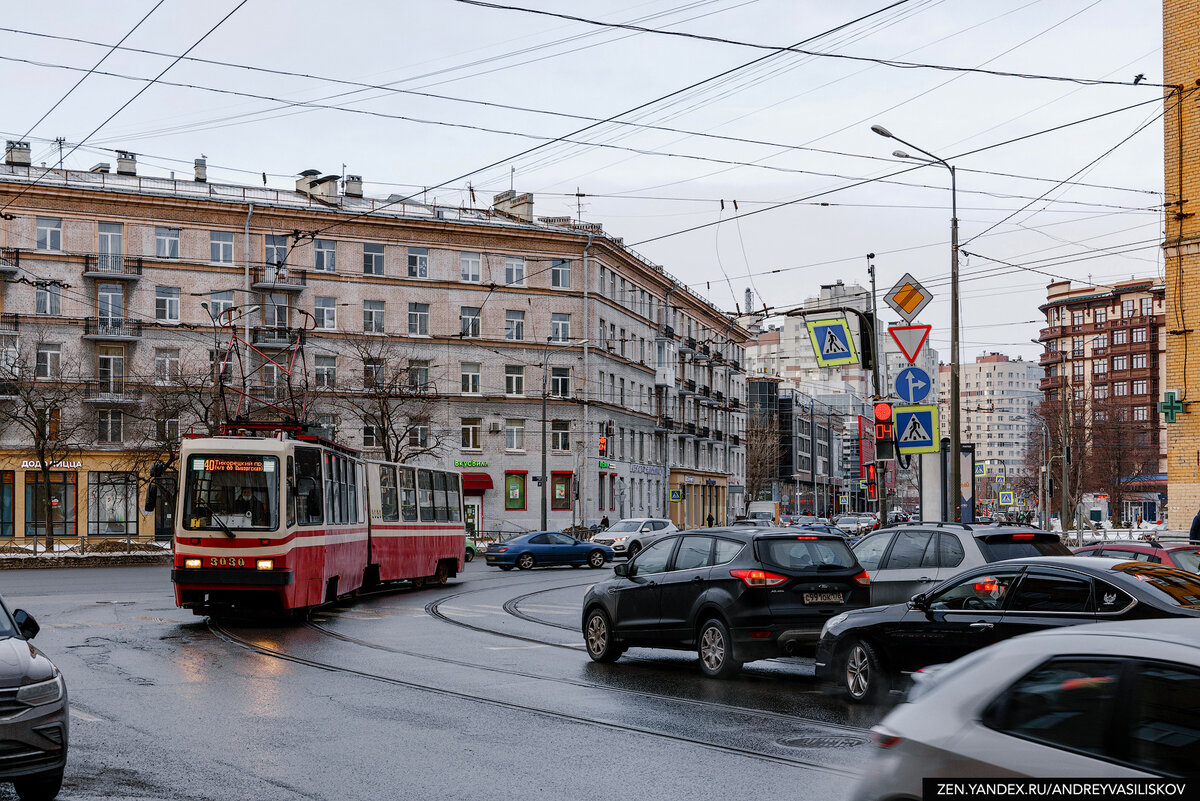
(215, 465)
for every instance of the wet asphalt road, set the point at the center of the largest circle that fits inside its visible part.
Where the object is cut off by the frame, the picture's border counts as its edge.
(477, 690)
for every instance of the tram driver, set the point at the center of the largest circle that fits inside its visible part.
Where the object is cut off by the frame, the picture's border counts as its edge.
(247, 503)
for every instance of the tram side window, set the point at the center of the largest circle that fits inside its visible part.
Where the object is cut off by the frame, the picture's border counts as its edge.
(408, 494)
(309, 486)
(453, 497)
(356, 481)
(389, 497)
(291, 491)
(441, 510)
(347, 476)
(425, 496)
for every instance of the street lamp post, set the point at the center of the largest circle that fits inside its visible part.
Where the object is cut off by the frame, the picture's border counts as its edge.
(955, 434)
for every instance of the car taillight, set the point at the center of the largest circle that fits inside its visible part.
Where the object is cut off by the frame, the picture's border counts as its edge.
(758, 578)
(806, 538)
(501, 550)
(1022, 536)
(884, 739)
(863, 578)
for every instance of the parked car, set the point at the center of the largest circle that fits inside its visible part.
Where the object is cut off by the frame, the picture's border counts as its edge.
(471, 549)
(749, 522)
(856, 525)
(34, 724)
(803, 520)
(907, 559)
(866, 650)
(1182, 556)
(545, 548)
(627, 537)
(1046, 705)
(733, 594)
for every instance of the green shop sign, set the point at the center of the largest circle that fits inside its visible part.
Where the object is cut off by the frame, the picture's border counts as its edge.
(469, 463)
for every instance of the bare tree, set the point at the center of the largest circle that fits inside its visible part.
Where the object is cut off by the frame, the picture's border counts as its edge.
(1121, 449)
(763, 452)
(1071, 432)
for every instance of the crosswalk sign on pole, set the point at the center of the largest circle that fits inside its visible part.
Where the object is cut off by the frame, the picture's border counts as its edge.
(916, 429)
(832, 342)
(1006, 498)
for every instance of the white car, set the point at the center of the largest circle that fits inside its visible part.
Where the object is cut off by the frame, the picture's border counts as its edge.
(1108, 700)
(627, 537)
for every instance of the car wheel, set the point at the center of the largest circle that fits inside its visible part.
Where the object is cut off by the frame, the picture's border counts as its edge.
(525, 561)
(39, 787)
(716, 651)
(442, 576)
(505, 567)
(866, 680)
(634, 549)
(469, 556)
(418, 583)
(597, 633)
(596, 559)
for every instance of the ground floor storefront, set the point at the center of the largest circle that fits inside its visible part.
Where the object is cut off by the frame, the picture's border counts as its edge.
(697, 495)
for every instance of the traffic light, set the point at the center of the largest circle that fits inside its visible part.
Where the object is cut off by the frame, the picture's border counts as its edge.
(604, 446)
(885, 424)
(872, 484)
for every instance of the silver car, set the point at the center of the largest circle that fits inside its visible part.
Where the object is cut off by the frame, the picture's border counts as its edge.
(629, 536)
(1108, 700)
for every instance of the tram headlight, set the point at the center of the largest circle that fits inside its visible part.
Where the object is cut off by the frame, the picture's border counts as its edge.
(191, 563)
(265, 564)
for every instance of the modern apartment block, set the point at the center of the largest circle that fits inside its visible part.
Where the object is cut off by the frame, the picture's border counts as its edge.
(422, 332)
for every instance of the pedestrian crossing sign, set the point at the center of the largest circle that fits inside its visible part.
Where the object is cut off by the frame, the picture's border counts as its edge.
(916, 429)
(676, 495)
(832, 342)
(1006, 498)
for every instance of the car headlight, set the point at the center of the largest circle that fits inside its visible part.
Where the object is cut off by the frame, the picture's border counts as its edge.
(833, 621)
(44, 692)
(618, 539)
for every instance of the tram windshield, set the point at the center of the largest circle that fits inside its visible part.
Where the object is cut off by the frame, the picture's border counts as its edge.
(229, 491)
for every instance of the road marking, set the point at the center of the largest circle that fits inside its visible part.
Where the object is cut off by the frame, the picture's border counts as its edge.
(75, 713)
(514, 647)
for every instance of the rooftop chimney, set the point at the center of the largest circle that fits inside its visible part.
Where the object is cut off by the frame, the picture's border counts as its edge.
(201, 171)
(126, 163)
(325, 186)
(16, 154)
(305, 181)
(511, 204)
(102, 166)
(353, 186)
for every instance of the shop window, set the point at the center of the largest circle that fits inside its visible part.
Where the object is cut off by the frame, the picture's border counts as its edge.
(514, 491)
(112, 504)
(560, 492)
(7, 480)
(62, 504)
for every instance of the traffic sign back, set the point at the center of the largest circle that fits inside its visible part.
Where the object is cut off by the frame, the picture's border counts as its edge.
(912, 384)
(916, 429)
(832, 342)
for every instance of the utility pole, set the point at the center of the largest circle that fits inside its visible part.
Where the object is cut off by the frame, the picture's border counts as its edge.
(880, 465)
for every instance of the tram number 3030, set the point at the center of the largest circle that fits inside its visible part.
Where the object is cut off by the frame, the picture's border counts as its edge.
(223, 561)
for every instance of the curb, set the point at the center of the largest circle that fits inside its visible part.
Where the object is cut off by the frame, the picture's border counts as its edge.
(90, 560)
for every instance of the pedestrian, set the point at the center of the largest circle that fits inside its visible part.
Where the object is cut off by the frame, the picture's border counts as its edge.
(710, 520)
(604, 522)
(1139, 521)
(1194, 533)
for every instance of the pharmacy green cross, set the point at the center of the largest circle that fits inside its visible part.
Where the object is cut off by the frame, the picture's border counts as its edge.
(1170, 406)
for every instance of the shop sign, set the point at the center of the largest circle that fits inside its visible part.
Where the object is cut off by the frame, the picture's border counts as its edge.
(689, 479)
(35, 464)
(469, 463)
(605, 465)
(652, 469)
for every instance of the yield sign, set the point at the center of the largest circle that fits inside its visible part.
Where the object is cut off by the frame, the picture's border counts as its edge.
(910, 339)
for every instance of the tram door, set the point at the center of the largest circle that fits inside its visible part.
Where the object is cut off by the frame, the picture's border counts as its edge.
(164, 509)
(472, 515)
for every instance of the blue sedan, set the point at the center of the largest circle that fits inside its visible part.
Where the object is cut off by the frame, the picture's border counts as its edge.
(546, 548)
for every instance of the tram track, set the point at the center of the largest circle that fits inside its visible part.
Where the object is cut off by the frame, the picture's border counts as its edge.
(237, 641)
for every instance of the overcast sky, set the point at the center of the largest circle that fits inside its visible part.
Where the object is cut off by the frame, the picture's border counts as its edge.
(1104, 230)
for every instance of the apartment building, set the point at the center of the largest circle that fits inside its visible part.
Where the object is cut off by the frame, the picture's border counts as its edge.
(431, 334)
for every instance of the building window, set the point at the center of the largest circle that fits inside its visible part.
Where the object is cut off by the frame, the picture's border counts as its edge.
(373, 372)
(166, 304)
(469, 267)
(514, 435)
(470, 428)
(372, 259)
(1138, 334)
(418, 375)
(110, 426)
(1100, 341)
(275, 311)
(560, 274)
(514, 492)
(1139, 361)
(49, 233)
(219, 303)
(514, 271)
(275, 251)
(62, 490)
(326, 255)
(47, 299)
(1076, 318)
(560, 381)
(220, 247)
(560, 327)
(1100, 391)
(468, 317)
(49, 361)
(1100, 366)
(514, 380)
(1120, 363)
(1141, 413)
(1147, 306)
(325, 371)
(418, 435)
(372, 436)
(373, 316)
(166, 365)
(112, 504)
(514, 325)
(471, 374)
(1120, 389)
(166, 243)
(325, 313)
(1140, 387)
(418, 319)
(418, 262)
(560, 492)
(1076, 372)
(560, 435)
(1127, 308)
(1120, 337)
(1100, 315)
(168, 429)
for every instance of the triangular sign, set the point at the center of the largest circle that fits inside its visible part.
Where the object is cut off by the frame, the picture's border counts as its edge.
(910, 339)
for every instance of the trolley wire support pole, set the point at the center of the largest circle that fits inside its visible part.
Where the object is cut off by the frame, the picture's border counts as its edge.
(877, 354)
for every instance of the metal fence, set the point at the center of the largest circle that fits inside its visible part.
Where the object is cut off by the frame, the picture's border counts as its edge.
(80, 546)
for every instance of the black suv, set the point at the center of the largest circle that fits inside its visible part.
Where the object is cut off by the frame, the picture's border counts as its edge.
(735, 595)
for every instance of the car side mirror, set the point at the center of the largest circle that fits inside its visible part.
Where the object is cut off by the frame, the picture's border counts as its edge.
(151, 498)
(919, 602)
(26, 623)
(622, 569)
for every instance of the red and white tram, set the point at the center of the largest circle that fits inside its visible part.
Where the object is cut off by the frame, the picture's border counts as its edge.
(289, 521)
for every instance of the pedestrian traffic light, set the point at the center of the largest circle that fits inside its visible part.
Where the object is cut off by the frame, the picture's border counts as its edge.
(885, 426)
(604, 446)
(872, 484)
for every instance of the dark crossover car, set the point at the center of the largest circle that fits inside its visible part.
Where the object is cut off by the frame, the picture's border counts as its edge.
(33, 711)
(912, 557)
(1182, 556)
(866, 650)
(733, 594)
(543, 548)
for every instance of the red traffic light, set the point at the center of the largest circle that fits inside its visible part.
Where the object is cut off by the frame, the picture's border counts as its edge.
(604, 446)
(883, 412)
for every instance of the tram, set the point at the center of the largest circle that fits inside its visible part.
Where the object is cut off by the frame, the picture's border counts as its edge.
(287, 520)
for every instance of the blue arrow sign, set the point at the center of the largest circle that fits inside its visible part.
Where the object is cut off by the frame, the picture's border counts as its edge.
(916, 429)
(912, 385)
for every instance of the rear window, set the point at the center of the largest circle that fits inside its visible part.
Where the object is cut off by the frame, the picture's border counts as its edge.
(1175, 587)
(793, 554)
(1187, 560)
(1000, 547)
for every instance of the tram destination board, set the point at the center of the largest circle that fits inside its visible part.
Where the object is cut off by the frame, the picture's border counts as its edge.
(237, 464)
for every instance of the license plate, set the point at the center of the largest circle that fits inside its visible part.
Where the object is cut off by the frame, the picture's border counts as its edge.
(822, 597)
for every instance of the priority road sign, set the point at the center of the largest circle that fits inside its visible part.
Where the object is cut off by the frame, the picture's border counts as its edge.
(676, 495)
(912, 384)
(832, 343)
(908, 297)
(1006, 498)
(910, 339)
(916, 429)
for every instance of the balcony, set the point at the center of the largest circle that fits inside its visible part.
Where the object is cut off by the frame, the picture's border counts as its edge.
(10, 261)
(111, 392)
(735, 440)
(666, 332)
(688, 343)
(704, 349)
(1050, 357)
(108, 266)
(689, 429)
(1051, 382)
(735, 403)
(113, 329)
(277, 338)
(719, 395)
(703, 432)
(277, 279)
(689, 385)
(665, 424)
(705, 391)
(736, 364)
(1053, 332)
(719, 435)
(9, 324)
(718, 358)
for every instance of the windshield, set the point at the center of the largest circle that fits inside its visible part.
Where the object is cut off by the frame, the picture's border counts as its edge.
(7, 629)
(797, 554)
(1187, 560)
(625, 525)
(238, 492)
(1175, 587)
(997, 549)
